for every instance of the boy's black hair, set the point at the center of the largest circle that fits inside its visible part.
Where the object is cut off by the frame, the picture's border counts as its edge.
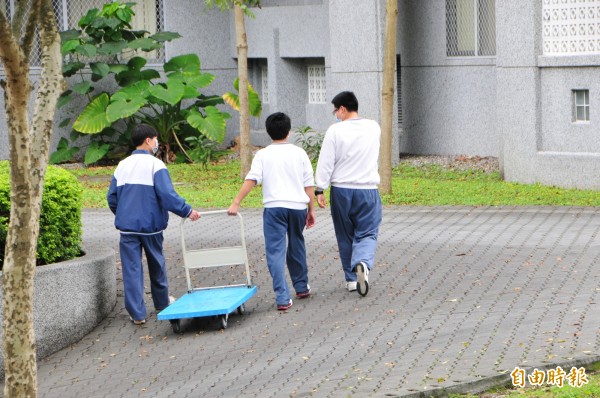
(141, 132)
(347, 99)
(278, 125)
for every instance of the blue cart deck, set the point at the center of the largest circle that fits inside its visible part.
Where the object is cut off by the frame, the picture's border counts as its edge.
(207, 302)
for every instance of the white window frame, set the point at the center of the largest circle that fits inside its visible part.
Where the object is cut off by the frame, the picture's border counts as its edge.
(466, 42)
(581, 106)
(317, 84)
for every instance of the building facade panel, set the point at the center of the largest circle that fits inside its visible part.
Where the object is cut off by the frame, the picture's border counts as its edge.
(449, 110)
(560, 131)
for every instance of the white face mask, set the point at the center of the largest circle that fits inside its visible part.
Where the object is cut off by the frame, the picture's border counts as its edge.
(155, 148)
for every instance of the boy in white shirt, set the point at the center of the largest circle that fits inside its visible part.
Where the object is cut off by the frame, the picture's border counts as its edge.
(348, 162)
(286, 174)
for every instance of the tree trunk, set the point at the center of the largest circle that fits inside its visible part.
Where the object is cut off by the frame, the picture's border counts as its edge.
(242, 53)
(387, 96)
(28, 149)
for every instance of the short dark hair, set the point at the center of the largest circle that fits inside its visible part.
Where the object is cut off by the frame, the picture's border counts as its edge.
(141, 132)
(278, 125)
(347, 99)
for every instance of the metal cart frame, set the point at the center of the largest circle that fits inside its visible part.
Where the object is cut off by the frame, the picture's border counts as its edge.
(214, 300)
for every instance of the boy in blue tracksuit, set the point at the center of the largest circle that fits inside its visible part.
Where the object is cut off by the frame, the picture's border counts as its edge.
(141, 195)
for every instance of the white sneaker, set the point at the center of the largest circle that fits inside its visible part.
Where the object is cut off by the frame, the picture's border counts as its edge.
(362, 273)
(171, 300)
(351, 286)
(139, 322)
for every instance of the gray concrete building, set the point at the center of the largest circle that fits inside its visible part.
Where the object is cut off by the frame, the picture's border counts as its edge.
(515, 79)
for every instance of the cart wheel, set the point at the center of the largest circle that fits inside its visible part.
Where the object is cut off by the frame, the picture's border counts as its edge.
(224, 321)
(241, 309)
(176, 324)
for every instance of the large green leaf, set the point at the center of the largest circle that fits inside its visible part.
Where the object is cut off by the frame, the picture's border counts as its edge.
(87, 50)
(137, 63)
(71, 68)
(82, 87)
(171, 94)
(69, 46)
(122, 109)
(70, 34)
(110, 8)
(190, 82)
(125, 13)
(64, 99)
(212, 125)
(165, 36)
(117, 68)
(95, 152)
(187, 63)
(112, 48)
(149, 74)
(99, 70)
(145, 44)
(127, 101)
(196, 80)
(89, 17)
(63, 152)
(93, 118)
(211, 100)
(106, 22)
(254, 103)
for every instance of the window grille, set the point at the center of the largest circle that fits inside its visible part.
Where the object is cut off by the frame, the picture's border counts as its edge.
(399, 91)
(149, 16)
(264, 86)
(571, 27)
(581, 105)
(470, 28)
(317, 86)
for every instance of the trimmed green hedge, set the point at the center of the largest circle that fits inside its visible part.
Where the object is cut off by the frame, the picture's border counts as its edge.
(60, 221)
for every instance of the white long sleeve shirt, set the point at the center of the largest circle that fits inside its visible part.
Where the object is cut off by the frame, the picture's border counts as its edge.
(284, 170)
(349, 155)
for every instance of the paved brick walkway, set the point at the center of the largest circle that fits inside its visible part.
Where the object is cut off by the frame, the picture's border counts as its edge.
(459, 297)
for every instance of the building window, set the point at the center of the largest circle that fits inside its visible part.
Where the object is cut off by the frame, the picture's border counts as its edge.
(264, 86)
(317, 87)
(149, 16)
(571, 27)
(470, 28)
(581, 105)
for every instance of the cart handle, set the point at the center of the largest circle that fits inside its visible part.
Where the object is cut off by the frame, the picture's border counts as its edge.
(242, 239)
(206, 213)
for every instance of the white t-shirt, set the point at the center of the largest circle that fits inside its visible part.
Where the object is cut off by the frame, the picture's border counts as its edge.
(349, 155)
(284, 170)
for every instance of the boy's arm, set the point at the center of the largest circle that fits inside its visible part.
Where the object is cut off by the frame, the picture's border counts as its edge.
(310, 215)
(111, 196)
(244, 190)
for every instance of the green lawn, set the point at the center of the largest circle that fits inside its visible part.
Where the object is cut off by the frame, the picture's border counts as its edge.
(430, 185)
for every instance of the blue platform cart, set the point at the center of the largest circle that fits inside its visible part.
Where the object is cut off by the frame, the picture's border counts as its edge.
(217, 301)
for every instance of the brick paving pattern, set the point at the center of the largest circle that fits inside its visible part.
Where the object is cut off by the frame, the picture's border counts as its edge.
(458, 298)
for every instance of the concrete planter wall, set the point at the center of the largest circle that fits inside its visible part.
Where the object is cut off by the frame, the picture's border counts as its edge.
(70, 299)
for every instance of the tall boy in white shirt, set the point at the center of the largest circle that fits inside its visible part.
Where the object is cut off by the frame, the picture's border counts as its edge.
(349, 163)
(286, 174)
